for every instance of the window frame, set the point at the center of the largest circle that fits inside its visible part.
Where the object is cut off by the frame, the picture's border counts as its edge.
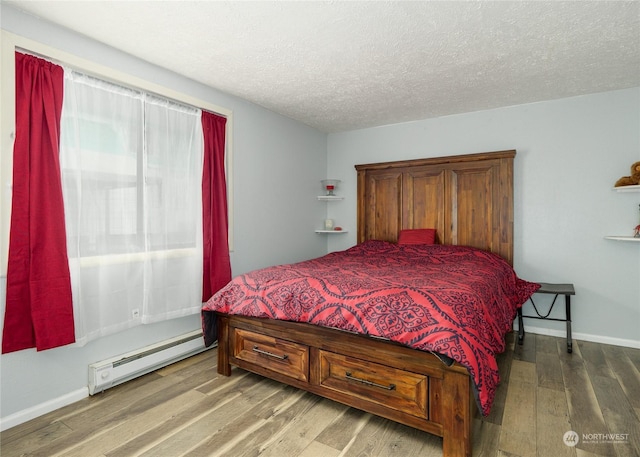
(10, 43)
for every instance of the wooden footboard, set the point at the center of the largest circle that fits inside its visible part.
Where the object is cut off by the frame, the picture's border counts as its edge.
(405, 385)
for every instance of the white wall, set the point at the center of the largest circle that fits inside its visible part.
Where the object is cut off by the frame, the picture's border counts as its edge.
(570, 152)
(278, 165)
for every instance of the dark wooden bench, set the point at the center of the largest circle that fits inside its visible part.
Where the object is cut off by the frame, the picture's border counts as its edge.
(555, 289)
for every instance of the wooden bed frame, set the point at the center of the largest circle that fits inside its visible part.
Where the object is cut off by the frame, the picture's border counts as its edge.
(469, 200)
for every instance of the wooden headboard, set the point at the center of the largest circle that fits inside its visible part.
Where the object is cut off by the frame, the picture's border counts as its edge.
(467, 198)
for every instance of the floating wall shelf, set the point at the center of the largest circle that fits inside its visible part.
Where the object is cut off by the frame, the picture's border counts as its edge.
(328, 198)
(635, 188)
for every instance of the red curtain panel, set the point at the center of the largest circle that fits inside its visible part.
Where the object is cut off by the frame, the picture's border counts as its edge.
(217, 265)
(39, 310)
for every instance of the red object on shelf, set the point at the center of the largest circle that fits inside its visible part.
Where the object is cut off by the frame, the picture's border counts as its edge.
(330, 185)
(337, 229)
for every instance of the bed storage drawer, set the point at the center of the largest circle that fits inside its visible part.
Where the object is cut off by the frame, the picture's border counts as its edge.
(274, 354)
(390, 387)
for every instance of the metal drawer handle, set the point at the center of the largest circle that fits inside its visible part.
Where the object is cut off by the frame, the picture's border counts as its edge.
(369, 383)
(270, 354)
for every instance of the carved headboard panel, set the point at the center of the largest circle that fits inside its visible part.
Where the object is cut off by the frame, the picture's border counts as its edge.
(467, 198)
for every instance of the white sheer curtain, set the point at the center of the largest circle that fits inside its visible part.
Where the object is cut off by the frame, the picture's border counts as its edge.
(132, 170)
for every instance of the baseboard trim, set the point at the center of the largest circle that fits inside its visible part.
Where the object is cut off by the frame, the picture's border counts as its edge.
(43, 408)
(581, 336)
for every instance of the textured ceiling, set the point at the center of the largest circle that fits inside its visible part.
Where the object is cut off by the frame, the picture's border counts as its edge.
(345, 65)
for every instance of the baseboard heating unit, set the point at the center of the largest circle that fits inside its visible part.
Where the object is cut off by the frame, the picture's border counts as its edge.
(122, 368)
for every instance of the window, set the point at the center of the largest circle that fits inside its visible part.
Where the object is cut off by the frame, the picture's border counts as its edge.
(131, 165)
(12, 43)
(129, 190)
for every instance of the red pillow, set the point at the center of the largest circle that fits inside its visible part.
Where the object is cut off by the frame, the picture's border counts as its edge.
(417, 236)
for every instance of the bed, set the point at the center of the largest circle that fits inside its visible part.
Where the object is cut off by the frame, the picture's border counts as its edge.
(353, 326)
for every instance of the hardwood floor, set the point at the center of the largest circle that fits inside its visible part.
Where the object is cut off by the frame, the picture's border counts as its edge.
(187, 409)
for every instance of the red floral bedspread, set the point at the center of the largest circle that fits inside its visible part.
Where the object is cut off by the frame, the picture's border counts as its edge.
(452, 300)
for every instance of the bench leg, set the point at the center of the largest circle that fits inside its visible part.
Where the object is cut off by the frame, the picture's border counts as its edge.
(567, 305)
(520, 327)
